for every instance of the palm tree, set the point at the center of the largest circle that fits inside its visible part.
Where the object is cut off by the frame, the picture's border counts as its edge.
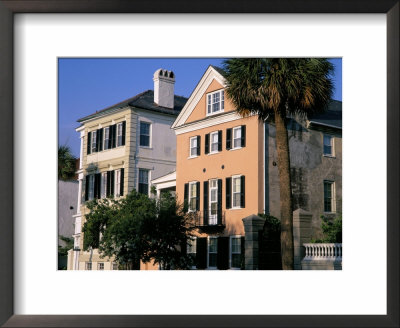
(66, 163)
(277, 88)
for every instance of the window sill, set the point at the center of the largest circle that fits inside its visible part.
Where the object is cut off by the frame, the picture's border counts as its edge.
(146, 147)
(213, 153)
(235, 208)
(329, 156)
(191, 157)
(214, 113)
(237, 148)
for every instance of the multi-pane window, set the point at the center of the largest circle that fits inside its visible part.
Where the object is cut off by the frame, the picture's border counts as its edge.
(212, 252)
(237, 137)
(212, 218)
(144, 181)
(215, 102)
(214, 141)
(145, 134)
(106, 137)
(235, 252)
(103, 193)
(328, 145)
(100, 266)
(117, 179)
(193, 146)
(94, 141)
(329, 205)
(193, 196)
(114, 266)
(236, 191)
(91, 187)
(119, 134)
(191, 249)
(88, 266)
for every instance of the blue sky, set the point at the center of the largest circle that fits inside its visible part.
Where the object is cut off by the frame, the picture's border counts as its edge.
(90, 84)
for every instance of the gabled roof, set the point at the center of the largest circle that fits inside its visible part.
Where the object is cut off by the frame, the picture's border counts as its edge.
(209, 75)
(144, 100)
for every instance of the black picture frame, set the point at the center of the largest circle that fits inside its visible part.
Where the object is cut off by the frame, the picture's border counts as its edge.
(10, 7)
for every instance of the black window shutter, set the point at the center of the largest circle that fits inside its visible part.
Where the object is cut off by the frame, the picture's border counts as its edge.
(205, 203)
(123, 132)
(89, 141)
(198, 145)
(219, 208)
(110, 136)
(243, 138)
(100, 140)
(228, 186)
(97, 185)
(121, 192)
(97, 140)
(228, 139)
(201, 253)
(242, 191)
(112, 182)
(186, 198)
(108, 183)
(207, 144)
(113, 135)
(242, 252)
(87, 188)
(223, 253)
(197, 196)
(220, 140)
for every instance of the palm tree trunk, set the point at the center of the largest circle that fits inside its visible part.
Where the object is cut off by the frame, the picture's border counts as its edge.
(282, 148)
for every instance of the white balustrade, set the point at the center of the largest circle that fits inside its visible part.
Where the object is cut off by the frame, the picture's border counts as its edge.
(324, 251)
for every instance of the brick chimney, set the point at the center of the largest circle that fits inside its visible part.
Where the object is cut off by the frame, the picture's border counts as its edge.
(164, 82)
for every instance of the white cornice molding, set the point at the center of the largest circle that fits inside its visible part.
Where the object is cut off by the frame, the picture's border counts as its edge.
(209, 75)
(207, 122)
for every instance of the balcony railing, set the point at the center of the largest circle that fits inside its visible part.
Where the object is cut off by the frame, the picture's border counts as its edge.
(210, 220)
(323, 251)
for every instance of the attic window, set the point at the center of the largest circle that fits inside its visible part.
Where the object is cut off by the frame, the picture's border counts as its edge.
(171, 75)
(215, 102)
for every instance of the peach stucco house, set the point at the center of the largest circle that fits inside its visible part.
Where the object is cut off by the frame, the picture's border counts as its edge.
(226, 169)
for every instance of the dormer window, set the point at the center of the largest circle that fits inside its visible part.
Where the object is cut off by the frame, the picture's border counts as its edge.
(215, 102)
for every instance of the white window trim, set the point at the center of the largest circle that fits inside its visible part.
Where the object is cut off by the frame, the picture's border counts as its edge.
(150, 134)
(117, 182)
(116, 135)
(103, 183)
(233, 138)
(235, 177)
(210, 145)
(187, 251)
(112, 266)
(190, 147)
(190, 185)
(222, 94)
(91, 187)
(230, 250)
(93, 144)
(104, 138)
(332, 145)
(209, 201)
(208, 253)
(333, 199)
(91, 266)
(98, 266)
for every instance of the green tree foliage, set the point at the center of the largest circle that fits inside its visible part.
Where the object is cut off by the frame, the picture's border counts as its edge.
(331, 230)
(69, 244)
(276, 88)
(138, 228)
(66, 163)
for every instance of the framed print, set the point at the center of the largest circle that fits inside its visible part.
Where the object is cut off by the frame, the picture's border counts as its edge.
(35, 35)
